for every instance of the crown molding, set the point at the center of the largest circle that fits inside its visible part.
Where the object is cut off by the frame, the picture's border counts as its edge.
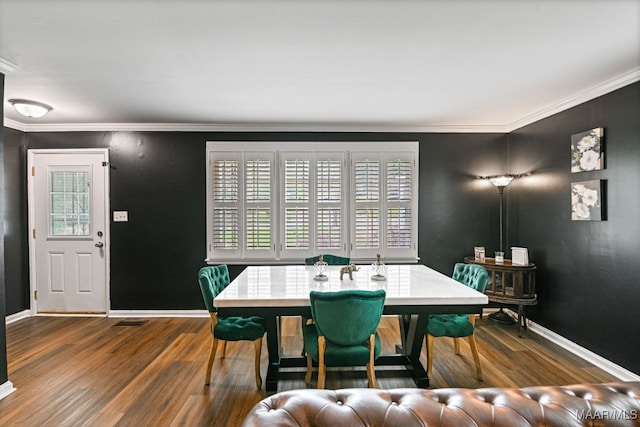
(577, 99)
(8, 123)
(251, 127)
(7, 67)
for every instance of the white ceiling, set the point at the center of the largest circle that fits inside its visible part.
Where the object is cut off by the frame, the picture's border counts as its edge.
(475, 65)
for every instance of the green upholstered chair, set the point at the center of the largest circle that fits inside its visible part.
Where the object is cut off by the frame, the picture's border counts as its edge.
(458, 325)
(329, 259)
(213, 280)
(343, 332)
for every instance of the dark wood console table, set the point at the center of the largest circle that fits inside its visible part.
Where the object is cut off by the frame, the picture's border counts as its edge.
(510, 285)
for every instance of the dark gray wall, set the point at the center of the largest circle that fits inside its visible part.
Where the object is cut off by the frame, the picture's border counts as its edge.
(159, 177)
(588, 271)
(4, 377)
(16, 225)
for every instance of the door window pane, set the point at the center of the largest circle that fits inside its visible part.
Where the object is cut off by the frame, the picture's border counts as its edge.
(70, 204)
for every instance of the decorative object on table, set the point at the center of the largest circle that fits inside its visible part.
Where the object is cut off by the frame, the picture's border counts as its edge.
(378, 269)
(499, 257)
(587, 150)
(479, 253)
(519, 256)
(349, 269)
(586, 200)
(321, 267)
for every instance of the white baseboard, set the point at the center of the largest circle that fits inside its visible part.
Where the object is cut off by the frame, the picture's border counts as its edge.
(17, 316)
(6, 389)
(585, 354)
(159, 313)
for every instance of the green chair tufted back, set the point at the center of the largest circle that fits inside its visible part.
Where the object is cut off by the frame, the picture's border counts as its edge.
(347, 317)
(329, 259)
(474, 276)
(213, 279)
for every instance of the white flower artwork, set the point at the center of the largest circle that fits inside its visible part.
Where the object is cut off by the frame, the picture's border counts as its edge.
(587, 152)
(586, 200)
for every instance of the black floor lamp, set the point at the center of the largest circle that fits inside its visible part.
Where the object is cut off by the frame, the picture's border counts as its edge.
(501, 182)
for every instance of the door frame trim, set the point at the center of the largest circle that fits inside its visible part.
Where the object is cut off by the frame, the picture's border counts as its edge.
(31, 203)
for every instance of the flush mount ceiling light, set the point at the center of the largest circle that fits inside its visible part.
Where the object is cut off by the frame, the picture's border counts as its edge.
(30, 108)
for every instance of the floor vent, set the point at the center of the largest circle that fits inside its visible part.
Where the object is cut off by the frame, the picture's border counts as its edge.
(131, 323)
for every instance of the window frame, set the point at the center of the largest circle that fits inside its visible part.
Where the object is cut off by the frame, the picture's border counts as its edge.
(314, 151)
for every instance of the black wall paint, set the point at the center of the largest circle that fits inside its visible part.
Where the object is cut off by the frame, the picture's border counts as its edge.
(16, 225)
(587, 272)
(159, 178)
(4, 376)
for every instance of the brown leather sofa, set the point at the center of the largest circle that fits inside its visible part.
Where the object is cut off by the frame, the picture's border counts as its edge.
(613, 404)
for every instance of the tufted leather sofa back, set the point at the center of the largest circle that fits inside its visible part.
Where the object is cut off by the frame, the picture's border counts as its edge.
(576, 405)
(474, 276)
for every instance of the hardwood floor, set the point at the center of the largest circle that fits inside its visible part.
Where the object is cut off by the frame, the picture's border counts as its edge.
(74, 371)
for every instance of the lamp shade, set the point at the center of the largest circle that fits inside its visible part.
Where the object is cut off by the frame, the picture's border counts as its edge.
(30, 108)
(501, 181)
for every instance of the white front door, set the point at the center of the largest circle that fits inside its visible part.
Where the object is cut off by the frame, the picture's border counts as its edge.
(68, 252)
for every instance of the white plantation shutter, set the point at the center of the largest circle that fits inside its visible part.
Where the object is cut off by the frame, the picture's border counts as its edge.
(258, 204)
(384, 219)
(274, 204)
(329, 229)
(367, 180)
(399, 228)
(399, 189)
(225, 228)
(225, 197)
(258, 228)
(399, 180)
(313, 205)
(296, 228)
(367, 228)
(296, 175)
(241, 210)
(329, 183)
(297, 203)
(367, 183)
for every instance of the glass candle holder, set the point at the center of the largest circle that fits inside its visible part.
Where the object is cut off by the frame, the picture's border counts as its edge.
(320, 268)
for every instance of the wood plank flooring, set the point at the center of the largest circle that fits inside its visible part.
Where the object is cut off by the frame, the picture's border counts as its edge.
(84, 371)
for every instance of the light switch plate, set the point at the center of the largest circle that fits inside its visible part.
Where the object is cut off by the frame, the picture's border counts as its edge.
(120, 216)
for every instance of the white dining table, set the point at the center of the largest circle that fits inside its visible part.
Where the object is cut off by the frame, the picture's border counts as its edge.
(413, 292)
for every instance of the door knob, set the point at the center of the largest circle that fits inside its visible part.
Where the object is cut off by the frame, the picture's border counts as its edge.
(99, 245)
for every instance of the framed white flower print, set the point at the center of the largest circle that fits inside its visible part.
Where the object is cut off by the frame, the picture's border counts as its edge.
(586, 200)
(587, 150)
